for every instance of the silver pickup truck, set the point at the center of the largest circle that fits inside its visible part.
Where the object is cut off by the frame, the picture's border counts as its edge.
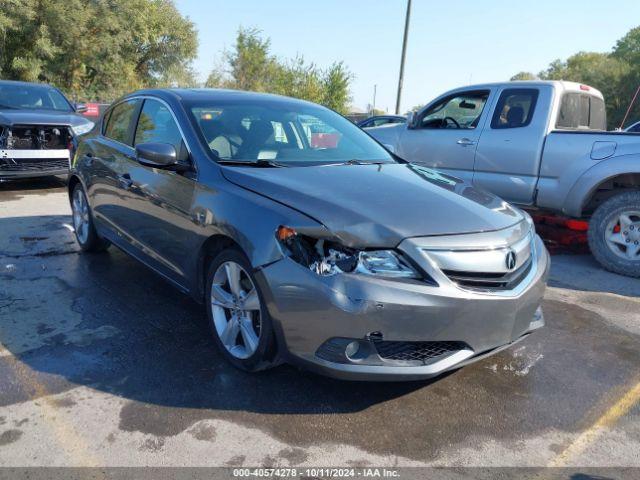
(537, 144)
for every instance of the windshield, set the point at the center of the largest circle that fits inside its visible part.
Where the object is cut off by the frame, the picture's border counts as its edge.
(289, 133)
(32, 97)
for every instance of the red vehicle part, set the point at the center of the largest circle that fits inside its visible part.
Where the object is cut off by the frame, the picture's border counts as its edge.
(324, 140)
(561, 234)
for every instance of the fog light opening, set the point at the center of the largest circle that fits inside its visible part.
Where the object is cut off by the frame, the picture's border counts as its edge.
(352, 349)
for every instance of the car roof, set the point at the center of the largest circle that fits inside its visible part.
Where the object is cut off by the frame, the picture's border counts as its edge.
(215, 94)
(26, 84)
(559, 84)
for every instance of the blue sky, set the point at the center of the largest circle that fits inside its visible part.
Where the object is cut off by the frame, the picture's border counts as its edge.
(450, 43)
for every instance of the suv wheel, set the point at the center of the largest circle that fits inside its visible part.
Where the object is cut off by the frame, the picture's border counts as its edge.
(86, 234)
(614, 234)
(238, 318)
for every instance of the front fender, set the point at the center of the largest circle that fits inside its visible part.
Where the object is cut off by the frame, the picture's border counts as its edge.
(250, 220)
(590, 180)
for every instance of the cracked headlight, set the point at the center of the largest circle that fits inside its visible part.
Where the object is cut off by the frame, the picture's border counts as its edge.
(326, 257)
(82, 129)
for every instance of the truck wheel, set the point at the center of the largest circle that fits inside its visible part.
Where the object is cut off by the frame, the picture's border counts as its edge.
(614, 234)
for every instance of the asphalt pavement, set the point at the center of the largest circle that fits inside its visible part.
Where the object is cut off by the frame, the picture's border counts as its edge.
(103, 363)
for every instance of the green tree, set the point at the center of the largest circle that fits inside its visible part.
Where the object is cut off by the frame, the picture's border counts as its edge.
(335, 82)
(249, 65)
(101, 50)
(523, 76)
(600, 70)
(627, 50)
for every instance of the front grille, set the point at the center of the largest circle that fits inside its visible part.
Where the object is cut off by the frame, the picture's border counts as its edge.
(33, 165)
(490, 281)
(424, 352)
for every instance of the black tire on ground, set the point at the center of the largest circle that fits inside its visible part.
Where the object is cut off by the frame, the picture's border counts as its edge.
(93, 243)
(265, 355)
(599, 226)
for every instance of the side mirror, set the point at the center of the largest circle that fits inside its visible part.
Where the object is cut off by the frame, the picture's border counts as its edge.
(411, 117)
(157, 155)
(80, 107)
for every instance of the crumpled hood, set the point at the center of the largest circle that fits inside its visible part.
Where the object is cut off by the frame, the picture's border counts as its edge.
(10, 117)
(379, 205)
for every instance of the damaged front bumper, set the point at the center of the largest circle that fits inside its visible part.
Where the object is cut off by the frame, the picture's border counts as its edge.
(358, 327)
(33, 163)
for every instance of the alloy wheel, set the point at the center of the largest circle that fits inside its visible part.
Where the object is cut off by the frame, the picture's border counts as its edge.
(235, 306)
(623, 235)
(80, 210)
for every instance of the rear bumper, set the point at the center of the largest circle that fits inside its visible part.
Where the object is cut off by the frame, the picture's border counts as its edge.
(33, 163)
(311, 312)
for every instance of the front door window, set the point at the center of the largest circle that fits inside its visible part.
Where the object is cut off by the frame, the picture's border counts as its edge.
(461, 111)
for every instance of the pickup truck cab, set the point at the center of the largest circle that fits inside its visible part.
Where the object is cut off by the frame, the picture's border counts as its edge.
(540, 145)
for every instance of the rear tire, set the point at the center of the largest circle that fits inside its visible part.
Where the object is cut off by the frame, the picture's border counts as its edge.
(614, 236)
(86, 235)
(239, 321)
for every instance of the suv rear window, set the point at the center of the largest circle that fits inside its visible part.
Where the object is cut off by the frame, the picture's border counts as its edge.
(581, 111)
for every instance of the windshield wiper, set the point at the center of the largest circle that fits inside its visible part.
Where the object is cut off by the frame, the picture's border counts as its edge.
(356, 161)
(261, 163)
(9, 106)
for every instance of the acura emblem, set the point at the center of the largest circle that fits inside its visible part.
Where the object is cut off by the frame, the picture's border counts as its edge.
(510, 260)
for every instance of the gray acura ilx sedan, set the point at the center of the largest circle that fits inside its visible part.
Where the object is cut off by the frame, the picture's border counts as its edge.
(306, 240)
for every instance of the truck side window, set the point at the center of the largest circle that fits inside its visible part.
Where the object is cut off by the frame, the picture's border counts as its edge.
(461, 111)
(515, 108)
(581, 111)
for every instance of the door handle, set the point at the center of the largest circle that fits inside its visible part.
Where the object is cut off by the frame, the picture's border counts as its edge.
(125, 181)
(465, 142)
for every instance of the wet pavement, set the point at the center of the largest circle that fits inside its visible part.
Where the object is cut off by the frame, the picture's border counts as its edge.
(103, 363)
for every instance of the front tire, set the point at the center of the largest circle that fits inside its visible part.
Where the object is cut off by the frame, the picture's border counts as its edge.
(238, 318)
(85, 231)
(614, 234)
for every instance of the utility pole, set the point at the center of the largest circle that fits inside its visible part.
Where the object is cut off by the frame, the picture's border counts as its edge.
(404, 54)
(373, 109)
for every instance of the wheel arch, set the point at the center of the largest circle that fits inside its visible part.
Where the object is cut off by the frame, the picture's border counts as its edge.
(601, 182)
(71, 184)
(211, 247)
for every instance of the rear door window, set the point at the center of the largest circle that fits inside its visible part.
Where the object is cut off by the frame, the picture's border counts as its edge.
(515, 108)
(119, 124)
